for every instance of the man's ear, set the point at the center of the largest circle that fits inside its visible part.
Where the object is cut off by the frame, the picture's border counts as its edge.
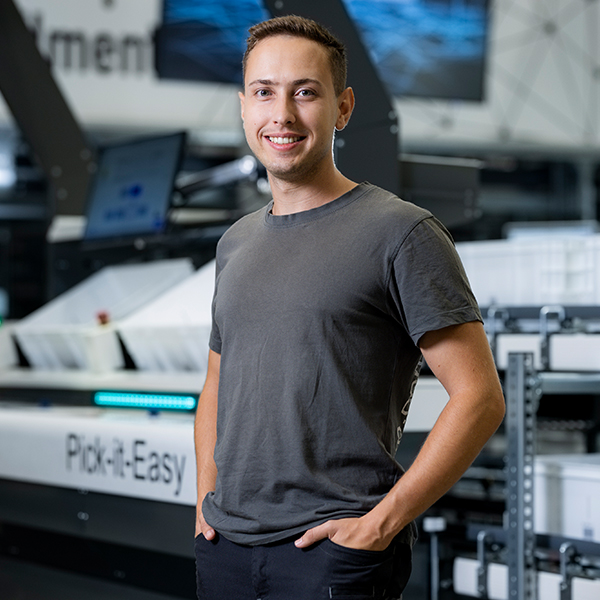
(242, 99)
(345, 108)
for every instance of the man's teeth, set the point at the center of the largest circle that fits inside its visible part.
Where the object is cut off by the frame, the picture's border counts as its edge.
(284, 140)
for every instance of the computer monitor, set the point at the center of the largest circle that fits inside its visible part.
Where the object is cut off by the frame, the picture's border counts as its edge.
(131, 192)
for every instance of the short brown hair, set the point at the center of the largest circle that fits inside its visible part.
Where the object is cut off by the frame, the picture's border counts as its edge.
(304, 28)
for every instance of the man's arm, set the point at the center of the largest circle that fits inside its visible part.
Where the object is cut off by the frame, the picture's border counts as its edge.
(205, 438)
(460, 358)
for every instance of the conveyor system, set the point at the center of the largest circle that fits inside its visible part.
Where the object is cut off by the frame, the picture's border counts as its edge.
(69, 466)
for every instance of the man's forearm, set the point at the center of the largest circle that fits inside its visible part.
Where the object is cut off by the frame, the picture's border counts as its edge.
(204, 440)
(206, 470)
(458, 436)
(460, 357)
(455, 441)
(205, 437)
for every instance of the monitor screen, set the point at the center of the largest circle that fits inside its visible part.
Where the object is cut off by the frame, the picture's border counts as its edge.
(426, 48)
(131, 192)
(420, 48)
(204, 40)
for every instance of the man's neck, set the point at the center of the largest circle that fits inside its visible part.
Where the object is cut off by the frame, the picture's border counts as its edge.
(292, 197)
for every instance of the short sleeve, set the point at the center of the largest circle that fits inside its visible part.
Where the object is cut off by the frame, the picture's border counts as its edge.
(428, 285)
(214, 342)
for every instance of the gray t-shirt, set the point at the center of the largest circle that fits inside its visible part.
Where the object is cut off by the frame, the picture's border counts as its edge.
(317, 316)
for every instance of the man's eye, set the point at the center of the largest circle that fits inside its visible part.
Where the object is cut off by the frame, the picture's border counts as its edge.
(262, 93)
(306, 93)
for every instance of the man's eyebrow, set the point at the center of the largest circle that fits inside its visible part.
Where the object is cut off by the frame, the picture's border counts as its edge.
(307, 80)
(296, 83)
(261, 82)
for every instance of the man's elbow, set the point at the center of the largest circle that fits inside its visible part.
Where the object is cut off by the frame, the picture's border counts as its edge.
(496, 408)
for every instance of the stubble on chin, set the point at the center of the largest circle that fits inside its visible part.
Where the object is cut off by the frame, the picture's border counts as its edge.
(300, 172)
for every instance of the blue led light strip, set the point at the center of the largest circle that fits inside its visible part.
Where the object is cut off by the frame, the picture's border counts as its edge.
(141, 400)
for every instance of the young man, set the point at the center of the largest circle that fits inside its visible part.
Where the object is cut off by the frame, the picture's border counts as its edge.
(325, 303)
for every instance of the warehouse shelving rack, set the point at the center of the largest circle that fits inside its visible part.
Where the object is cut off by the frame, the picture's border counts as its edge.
(524, 389)
(516, 543)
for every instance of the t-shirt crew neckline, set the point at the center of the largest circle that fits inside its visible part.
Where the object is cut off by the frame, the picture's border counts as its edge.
(312, 214)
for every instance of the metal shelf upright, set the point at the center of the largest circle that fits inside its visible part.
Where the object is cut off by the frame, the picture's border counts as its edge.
(524, 388)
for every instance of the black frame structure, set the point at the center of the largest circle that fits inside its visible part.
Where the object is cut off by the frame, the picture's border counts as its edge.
(43, 115)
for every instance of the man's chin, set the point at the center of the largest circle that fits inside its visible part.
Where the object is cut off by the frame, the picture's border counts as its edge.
(293, 172)
(287, 174)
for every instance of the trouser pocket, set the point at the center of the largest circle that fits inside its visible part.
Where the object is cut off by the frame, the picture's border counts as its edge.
(361, 574)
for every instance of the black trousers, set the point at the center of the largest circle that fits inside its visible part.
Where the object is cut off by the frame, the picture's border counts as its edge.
(280, 571)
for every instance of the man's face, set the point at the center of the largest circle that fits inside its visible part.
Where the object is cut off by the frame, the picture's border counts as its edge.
(290, 108)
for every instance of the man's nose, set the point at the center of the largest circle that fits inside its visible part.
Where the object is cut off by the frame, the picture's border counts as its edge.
(284, 111)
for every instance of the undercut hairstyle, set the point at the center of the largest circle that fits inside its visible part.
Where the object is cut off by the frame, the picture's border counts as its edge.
(303, 28)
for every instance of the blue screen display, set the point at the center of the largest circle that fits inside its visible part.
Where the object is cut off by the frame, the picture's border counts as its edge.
(426, 48)
(206, 39)
(132, 188)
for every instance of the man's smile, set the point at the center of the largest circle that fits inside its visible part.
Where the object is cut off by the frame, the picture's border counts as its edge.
(284, 140)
